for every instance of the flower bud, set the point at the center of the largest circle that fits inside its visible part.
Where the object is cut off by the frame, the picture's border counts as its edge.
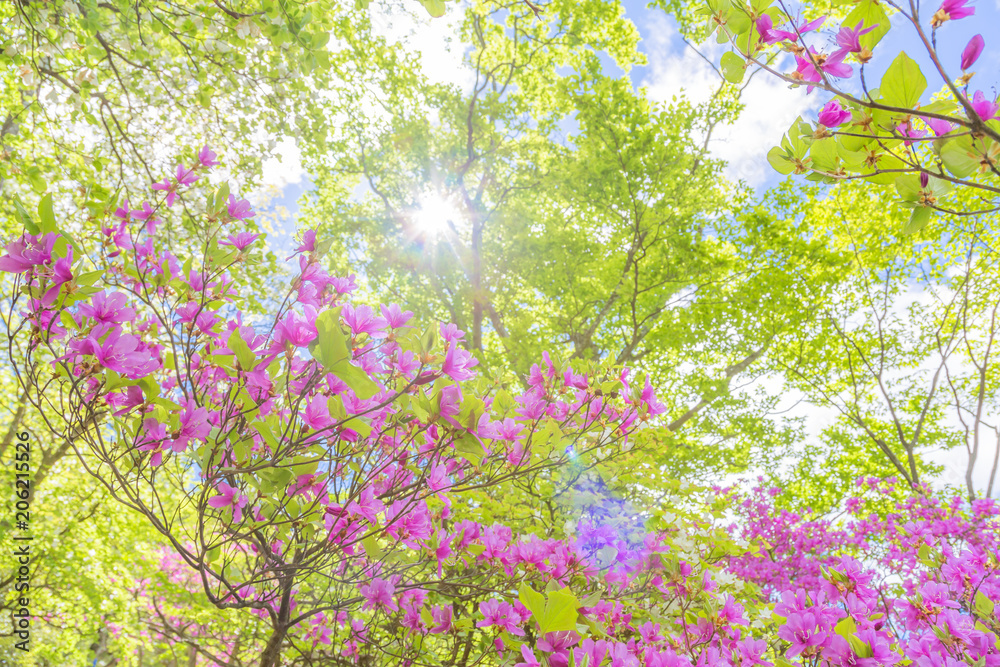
(972, 51)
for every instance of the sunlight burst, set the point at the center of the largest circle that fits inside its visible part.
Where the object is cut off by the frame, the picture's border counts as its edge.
(435, 212)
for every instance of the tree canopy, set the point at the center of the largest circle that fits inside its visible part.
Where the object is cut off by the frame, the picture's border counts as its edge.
(536, 383)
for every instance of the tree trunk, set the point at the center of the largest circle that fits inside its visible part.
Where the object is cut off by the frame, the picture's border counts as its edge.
(271, 657)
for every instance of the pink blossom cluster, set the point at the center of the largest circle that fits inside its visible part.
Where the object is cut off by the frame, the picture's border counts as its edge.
(335, 452)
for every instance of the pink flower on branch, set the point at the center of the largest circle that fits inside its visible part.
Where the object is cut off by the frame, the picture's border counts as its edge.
(499, 614)
(809, 68)
(379, 594)
(27, 252)
(951, 10)
(770, 35)
(229, 497)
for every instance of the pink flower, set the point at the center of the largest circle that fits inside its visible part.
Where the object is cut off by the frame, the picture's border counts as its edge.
(105, 307)
(151, 438)
(442, 619)
(972, 51)
(451, 333)
(206, 157)
(62, 273)
(952, 10)
(308, 241)
(317, 414)
(529, 658)
(379, 595)
(648, 398)
(363, 320)
(239, 210)
(169, 188)
(122, 353)
(366, 505)
(458, 362)
(849, 39)
(240, 241)
(28, 251)
(802, 631)
(833, 65)
(769, 35)
(938, 126)
(194, 425)
(395, 316)
(185, 176)
(833, 114)
(907, 130)
(295, 329)
(500, 614)
(229, 497)
(984, 108)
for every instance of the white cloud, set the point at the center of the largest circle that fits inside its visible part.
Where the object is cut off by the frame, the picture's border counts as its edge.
(770, 105)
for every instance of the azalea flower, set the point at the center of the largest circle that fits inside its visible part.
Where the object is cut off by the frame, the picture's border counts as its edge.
(442, 619)
(28, 251)
(499, 614)
(984, 108)
(938, 126)
(529, 658)
(833, 65)
(849, 39)
(952, 10)
(206, 157)
(239, 210)
(394, 316)
(379, 595)
(107, 307)
(908, 131)
(229, 497)
(769, 35)
(240, 241)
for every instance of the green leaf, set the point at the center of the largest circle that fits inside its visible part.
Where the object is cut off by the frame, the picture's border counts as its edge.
(733, 67)
(846, 627)
(25, 218)
(331, 344)
(919, 218)
(372, 549)
(984, 605)
(824, 154)
(778, 159)
(908, 186)
(860, 647)
(243, 353)
(356, 379)
(560, 612)
(434, 7)
(959, 157)
(903, 83)
(46, 217)
(267, 434)
(471, 448)
(533, 600)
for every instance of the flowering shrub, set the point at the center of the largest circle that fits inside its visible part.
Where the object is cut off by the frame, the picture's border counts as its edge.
(318, 469)
(886, 134)
(905, 579)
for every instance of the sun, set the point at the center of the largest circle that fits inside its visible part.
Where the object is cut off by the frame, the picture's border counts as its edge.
(435, 214)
